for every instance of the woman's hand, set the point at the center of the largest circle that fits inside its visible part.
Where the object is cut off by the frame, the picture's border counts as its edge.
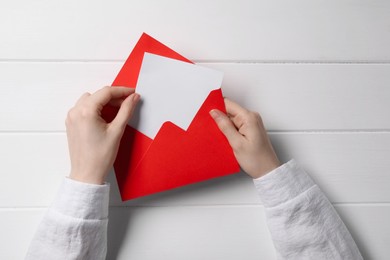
(248, 138)
(94, 143)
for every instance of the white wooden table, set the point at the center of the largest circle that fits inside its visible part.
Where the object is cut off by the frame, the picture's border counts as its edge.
(318, 71)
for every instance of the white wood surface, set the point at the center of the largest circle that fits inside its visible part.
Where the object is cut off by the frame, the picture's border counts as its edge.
(318, 71)
(289, 96)
(349, 167)
(320, 30)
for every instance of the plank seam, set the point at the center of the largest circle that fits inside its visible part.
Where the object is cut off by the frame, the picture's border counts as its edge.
(309, 62)
(249, 205)
(274, 132)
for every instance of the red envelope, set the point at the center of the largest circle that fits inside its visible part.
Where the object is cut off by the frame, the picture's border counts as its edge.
(174, 157)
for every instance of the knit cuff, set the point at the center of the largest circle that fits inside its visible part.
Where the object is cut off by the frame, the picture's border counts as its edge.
(282, 184)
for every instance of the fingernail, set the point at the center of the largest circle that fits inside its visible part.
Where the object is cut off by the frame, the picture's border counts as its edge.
(136, 97)
(214, 113)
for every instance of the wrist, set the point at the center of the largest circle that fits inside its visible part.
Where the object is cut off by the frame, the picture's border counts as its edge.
(90, 178)
(266, 167)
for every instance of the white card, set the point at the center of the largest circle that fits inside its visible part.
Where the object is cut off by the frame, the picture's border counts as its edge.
(171, 90)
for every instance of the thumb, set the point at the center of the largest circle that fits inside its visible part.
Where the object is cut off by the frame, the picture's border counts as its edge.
(125, 111)
(226, 126)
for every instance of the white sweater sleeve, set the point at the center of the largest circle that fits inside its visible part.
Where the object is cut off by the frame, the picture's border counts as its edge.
(75, 226)
(302, 222)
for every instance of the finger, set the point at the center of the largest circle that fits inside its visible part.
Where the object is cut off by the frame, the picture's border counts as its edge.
(233, 109)
(237, 113)
(226, 126)
(125, 111)
(83, 97)
(104, 95)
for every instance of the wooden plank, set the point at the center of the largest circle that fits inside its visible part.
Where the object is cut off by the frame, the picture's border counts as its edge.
(312, 97)
(36, 96)
(343, 165)
(189, 233)
(32, 168)
(197, 232)
(369, 226)
(202, 30)
(349, 167)
(17, 229)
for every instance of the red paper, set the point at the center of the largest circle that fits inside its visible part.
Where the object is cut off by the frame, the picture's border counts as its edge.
(175, 157)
